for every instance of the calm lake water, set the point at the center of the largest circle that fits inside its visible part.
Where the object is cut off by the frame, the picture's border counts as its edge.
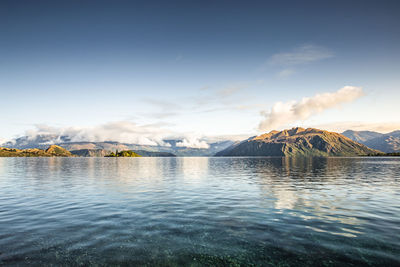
(200, 211)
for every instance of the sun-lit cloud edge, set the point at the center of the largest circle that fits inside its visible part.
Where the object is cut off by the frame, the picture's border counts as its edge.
(283, 114)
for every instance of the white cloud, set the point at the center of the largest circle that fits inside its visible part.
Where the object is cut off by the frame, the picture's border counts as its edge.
(249, 106)
(2, 141)
(229, 91)
(193, 142)
(204, 88)
(283, 114)
(302, 55)
(285, 73)
(120, 131)
(223, 96)
(163, 105)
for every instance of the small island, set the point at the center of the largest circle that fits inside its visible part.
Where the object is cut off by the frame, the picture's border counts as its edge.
(125, 154)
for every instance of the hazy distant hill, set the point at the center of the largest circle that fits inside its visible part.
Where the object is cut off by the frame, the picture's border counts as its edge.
(52, 151)
(144, 153)
(103, 152)
(42, 141)
(389, 142)
(90, 152)
(173, 149)
(361, 136)
(296, 142)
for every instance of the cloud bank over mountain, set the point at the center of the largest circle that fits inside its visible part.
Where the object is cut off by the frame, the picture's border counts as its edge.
(122, 135)
(283, 114)
(120, 131)
(193, 142)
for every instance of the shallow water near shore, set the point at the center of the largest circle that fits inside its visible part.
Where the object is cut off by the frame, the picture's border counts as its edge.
(200, 211)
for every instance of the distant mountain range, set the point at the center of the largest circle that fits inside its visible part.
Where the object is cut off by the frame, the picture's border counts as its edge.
(298, 142)
(288, 142)
(90, 152)
(387, 143)
(99, 149)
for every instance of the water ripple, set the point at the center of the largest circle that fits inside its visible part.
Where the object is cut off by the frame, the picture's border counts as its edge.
(200, 211)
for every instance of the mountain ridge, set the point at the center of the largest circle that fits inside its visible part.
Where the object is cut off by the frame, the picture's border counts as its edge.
(298, 142)
(388, 143)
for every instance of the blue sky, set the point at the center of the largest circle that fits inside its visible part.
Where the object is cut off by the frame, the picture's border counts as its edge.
(195, 68)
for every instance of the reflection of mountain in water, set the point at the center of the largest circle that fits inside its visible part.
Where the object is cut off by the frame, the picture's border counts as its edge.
(304, 186)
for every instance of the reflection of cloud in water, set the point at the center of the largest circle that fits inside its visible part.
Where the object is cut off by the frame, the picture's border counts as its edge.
(194, 169)
(285, 199)
(117, 174)
(136, 174)
(2, 165)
